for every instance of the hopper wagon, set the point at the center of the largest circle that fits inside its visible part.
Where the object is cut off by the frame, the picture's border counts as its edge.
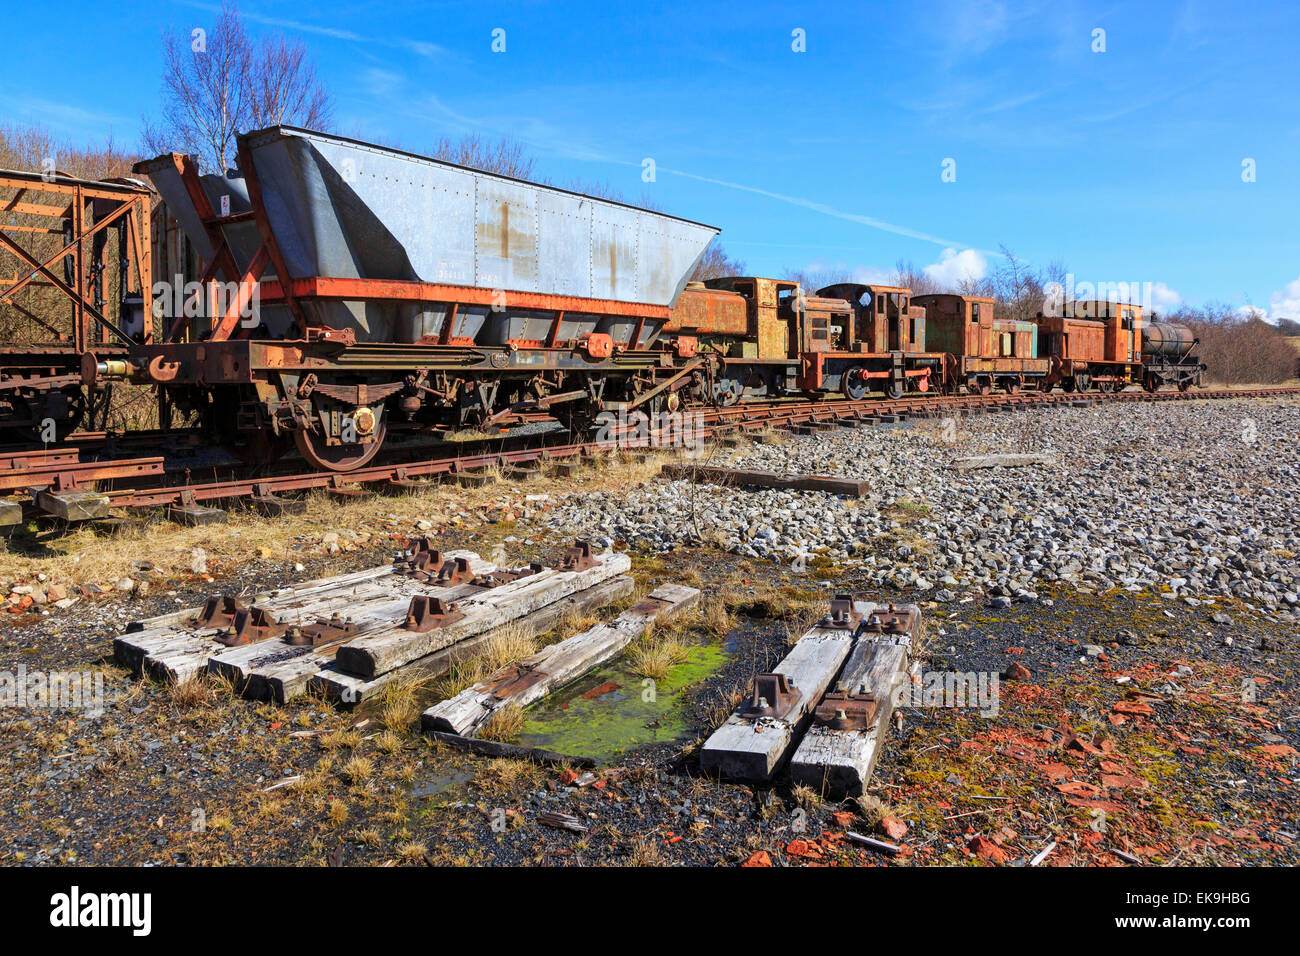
(369, 289)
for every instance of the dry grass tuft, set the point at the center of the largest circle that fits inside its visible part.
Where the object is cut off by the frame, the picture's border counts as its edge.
(805, 797)
(716, 618)
(655, 655)
(504, 646)
(356, 769)
(507, 645)
(646, 853)
(872, 809)
(399, 705)
(338, 813)
(412, 852)
(714, 711)
(504, 725)
(193, 693)
(503, 775)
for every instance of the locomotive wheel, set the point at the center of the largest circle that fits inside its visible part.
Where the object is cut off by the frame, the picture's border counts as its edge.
(894, 390)
(1105, 387)
(1068, 385)
(854, 385)
(337, 457)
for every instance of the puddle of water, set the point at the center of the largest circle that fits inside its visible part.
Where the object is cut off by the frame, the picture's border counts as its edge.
(606, 713)
(442, 782)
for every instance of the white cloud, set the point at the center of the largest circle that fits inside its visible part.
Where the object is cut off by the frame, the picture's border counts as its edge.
(1163, 298)
(1285, 302)
(954, 268)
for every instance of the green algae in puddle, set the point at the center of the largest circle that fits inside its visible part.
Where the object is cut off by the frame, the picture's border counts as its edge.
(618, 718)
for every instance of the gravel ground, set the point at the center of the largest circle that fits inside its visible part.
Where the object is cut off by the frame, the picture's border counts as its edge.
(1196, 499)
(1149, 675)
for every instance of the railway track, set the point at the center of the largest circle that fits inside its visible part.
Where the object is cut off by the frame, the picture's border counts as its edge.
(61, 483)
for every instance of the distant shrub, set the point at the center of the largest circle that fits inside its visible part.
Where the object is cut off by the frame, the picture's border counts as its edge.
(1238, 349)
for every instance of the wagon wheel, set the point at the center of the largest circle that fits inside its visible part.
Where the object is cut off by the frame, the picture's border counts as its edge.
(726, 391)
(337, 457)
(985, 388)
(31, 408)
(1068, 384)
(1151, 383)
(1184, 385)
(1013, 387)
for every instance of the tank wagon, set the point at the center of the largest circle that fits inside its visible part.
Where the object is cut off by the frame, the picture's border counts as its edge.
(376, 288)
(1167, 357)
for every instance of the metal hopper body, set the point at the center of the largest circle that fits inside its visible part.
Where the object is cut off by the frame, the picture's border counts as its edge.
(385, 243)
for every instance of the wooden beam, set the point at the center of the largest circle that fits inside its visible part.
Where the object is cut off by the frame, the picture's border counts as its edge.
(279, 671)
(764, 479)
(532, 678)
(748, 747)
(1002, 461)
(839, 763)
(377, 654)
(493, 748)
(171, 647)
(350, 689)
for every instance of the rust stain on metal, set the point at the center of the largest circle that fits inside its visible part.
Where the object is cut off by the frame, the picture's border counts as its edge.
(426, 613)
(892, 620)
(577, 558)
(249, 626)
(772, 697)
(845, 710)
(321, 632)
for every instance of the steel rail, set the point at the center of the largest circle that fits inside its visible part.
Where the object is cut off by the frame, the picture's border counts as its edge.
(715, 421)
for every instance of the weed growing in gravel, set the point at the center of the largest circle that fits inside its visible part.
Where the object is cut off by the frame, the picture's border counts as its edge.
(357, 769)
(805, 797)
(872, 809)
(338, 813)
(646, 853)
(412, 852)
(714, 710)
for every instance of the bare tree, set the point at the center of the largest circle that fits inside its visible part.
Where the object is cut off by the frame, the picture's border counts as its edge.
(907, 275)
(715, 263)
(505, 156)
(217, 83)
(283, 88)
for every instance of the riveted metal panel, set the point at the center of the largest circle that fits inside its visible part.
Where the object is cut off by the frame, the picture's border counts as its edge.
(339, 208)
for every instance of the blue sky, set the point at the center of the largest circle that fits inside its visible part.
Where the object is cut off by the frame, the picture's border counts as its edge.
(1126, 165)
